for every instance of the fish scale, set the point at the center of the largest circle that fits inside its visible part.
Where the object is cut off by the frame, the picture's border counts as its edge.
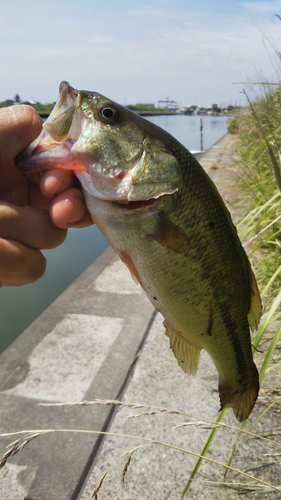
(164, 217)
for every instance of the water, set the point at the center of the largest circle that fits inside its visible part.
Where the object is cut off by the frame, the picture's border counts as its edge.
(186, 129)
(20, 306)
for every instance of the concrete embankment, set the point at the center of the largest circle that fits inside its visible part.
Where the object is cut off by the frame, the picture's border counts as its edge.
(101, 339)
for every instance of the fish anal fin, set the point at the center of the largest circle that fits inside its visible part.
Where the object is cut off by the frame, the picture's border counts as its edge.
(255, 307)
(170, 235)
(186, 353)
(241, 400)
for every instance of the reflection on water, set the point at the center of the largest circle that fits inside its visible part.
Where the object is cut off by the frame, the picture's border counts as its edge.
(186, 128)
(20, 306)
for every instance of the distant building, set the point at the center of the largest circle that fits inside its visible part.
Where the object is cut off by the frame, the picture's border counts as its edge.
(9, 102)
(187, 110)
(30, 103)
(215, 108)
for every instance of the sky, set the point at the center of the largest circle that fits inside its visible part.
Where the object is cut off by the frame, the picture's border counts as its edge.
(191, 51)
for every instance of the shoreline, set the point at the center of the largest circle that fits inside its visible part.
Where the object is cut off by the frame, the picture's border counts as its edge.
(158, 113)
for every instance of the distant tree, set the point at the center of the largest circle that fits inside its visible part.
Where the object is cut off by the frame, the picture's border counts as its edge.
(17, 98)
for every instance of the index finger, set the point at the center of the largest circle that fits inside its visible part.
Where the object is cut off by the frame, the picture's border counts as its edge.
(19, 126)
(55, 181)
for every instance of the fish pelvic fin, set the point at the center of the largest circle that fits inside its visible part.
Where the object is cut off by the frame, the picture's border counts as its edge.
(255, 308)
(187, 354)
(130, 265)
(240, 399)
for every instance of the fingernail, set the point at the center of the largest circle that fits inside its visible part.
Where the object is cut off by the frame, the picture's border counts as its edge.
(78, 211)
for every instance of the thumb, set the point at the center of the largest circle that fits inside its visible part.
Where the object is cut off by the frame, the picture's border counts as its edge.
(19, 126)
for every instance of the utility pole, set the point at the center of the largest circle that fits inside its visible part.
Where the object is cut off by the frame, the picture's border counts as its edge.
(201, 134)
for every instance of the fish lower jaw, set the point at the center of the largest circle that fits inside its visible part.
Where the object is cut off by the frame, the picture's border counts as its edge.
(135, 205)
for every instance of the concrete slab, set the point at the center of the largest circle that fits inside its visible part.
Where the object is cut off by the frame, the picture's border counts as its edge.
(106, 283)
(54, 373)
(21, 477)
(156, 471)
(83, 346)
(214, 154)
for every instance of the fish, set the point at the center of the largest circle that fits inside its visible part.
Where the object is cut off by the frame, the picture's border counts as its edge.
(164, 217)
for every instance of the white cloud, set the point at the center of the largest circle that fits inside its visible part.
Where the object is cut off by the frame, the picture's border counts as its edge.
(193, 55)
(97, 39)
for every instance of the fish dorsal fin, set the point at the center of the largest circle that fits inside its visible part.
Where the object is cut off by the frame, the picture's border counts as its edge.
(255, 308)
(186, 354)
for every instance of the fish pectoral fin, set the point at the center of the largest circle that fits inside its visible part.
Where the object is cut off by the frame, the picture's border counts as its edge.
(169, 235)
(186, 354)
(255, 308)
(241, 400)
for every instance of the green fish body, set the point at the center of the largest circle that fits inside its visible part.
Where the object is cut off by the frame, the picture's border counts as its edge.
(164, 217)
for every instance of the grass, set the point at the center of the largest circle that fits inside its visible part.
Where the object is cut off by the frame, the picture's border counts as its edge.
(255, 483)
(258, 130)
(46, 109)
(139, 107)
(40, 108)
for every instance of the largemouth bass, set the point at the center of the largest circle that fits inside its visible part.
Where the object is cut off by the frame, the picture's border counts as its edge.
(164, 217)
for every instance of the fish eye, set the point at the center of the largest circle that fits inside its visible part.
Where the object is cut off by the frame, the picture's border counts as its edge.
(109, 114)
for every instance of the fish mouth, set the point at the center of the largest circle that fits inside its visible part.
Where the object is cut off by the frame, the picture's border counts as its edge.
(136, 205)
(52, 148)
(126, 180)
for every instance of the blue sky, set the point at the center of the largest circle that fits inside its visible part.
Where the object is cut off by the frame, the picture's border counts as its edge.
(192, 51)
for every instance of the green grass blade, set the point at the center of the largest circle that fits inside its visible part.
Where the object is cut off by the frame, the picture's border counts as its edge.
(203, 453)
(270, 351)
(268, 319)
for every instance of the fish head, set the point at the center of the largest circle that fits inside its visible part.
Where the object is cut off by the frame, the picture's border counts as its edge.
(116, 154)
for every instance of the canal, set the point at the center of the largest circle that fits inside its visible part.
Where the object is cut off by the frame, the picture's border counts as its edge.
(20, 306)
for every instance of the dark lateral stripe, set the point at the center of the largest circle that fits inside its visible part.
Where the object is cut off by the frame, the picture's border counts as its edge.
(241, 358)
(210, 322)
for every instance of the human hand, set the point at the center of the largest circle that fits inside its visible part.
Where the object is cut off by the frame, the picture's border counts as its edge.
(28, 221)
(67, 207)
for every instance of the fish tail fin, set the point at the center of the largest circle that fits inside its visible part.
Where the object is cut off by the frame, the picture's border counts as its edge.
(186, 354)
(241, 399)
